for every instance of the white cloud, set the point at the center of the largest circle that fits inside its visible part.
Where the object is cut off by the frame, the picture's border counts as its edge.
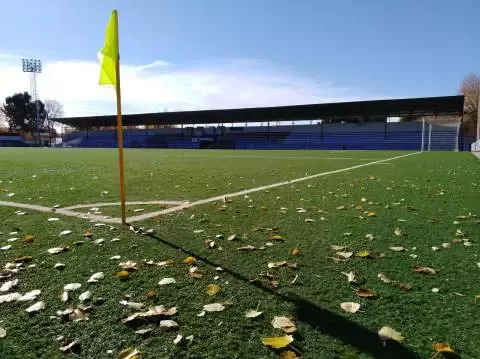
(160, 85)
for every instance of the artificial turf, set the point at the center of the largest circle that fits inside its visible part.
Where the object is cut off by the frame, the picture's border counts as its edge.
(426, 191)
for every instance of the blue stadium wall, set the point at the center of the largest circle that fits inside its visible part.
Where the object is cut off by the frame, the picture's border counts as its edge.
(366, 136)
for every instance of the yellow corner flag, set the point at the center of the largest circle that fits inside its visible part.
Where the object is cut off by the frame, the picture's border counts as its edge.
(109, 54)
(110, 75)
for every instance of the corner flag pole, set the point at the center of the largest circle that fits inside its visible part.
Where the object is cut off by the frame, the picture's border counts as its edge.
(119, 125)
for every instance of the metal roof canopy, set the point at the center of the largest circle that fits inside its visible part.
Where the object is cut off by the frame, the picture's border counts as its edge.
(428, 106)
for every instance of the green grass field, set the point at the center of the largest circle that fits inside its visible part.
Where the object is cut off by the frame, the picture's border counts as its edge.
(431, 198)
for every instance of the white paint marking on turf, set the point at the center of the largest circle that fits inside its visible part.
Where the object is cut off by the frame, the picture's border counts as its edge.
(273, 157)
(138, 203)
(257, 189)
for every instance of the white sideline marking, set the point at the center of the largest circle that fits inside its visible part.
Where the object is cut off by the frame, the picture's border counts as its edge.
(67, 211)
(137, 203)
(273, 157)
(256, 189)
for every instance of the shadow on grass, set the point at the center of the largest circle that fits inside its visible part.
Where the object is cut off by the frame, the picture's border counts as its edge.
(316, 317)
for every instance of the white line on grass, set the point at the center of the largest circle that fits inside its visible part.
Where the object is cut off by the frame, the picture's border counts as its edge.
(138, 203)
(257, 189)
(96, 218)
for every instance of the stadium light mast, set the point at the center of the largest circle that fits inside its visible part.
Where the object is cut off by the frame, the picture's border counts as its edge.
(33, 67)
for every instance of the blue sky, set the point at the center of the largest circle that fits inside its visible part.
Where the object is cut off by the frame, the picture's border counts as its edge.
(225, 53)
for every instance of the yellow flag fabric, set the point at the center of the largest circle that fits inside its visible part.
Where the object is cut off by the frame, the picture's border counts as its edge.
(109, 53)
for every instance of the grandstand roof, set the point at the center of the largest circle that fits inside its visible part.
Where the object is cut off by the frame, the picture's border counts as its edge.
(428, 106)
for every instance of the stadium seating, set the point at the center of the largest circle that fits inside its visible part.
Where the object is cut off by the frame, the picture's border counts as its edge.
(367, 136)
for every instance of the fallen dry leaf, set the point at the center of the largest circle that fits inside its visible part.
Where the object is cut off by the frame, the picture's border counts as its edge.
(295, 252)
(167, 324)
(337, 248)
(57, 250)
(9, 297)
(128, 266)
(3, 333)
(85, 296)
(232, 237)
(129, 353)
(64, 233)
(365, 293)
(30, 296)
(195, 273)
(351, 277)
(28, 238)
(94, 278)
(277, 237)
(166, 281)
(123, 275)
(71, 286)
(398, 232)
(277, 264)
(213, 289)
(8, 285)
(288, 355)
(387, 333)
(344, 255)
(363, 254)
(177, 339)
(214, 307)
(70, 347)
(350, 307)
(190, 260)
(371, 214)
(133, 305)
(143, 331)
(383, 277)
(277, 342)
(252, 313)
(398, 249)
(340, 208)
(424, 270)
(246, 248)
(443, 348)
(285, 324)
(405, 286)
(35, 307)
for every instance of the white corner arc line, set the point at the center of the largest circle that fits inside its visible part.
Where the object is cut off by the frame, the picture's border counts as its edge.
(257, 189)
(137, 203)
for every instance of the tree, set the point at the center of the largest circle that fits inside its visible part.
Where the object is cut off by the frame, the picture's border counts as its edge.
(54, 110)
(21, 112)
(470, 88)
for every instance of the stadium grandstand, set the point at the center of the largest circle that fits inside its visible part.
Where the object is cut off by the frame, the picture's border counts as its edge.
(433, 123)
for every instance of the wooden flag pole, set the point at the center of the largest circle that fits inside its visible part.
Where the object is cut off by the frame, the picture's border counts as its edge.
(120, 126)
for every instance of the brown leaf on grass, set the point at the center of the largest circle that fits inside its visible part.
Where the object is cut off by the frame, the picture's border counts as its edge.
(405, 286)
(424, 270)
(153, 314)
(190, 260)
(232, 237)
(443, 348)
(285, 324)
(371, 214)
(24, 259)
(277, 237)
(337, 248)
(295, 252)
(129, 353)
(398, 232)
(57, 250)
(213, 289)
(340, 208)
(288, 355)
(277, 342)
(246, 248)
(195, 273)
(88, 234)
(28, 238)
(365, 293)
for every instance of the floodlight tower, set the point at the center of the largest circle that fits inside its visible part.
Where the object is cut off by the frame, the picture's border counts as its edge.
(33, 67)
